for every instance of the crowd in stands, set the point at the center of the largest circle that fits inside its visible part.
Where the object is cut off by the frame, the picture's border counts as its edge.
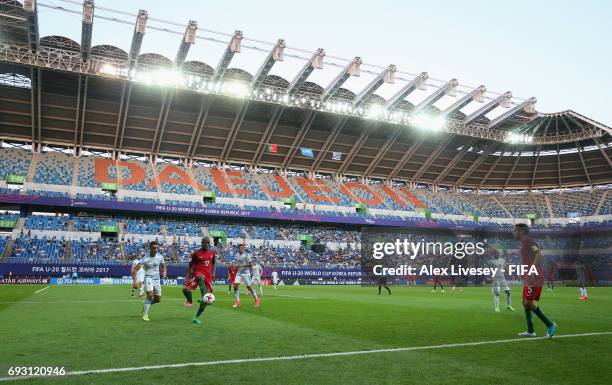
(101, 251)
(56, 168)
(272, 244)
(47, 222)
(40, 250)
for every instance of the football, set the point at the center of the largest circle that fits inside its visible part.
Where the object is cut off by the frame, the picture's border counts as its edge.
(209, 298)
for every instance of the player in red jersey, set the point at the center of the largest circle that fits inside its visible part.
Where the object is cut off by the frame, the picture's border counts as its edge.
(532, 289)
(411, 280)
(200, 273)
(232, 270)
(437, 281)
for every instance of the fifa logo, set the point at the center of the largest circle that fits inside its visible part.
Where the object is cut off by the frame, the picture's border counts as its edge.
(522, 270)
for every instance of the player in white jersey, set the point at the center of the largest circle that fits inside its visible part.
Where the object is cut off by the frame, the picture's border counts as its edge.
(499, 280)
(275, 279)
(152, 282)
(140, 274)
(256, 271)
(244, 262)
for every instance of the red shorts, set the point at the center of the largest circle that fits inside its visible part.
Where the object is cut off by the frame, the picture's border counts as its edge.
(437, 279)
(232, 277)
(532, 292)
(192, 284)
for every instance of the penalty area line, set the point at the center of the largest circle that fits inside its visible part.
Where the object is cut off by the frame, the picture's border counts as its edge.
(314, 355)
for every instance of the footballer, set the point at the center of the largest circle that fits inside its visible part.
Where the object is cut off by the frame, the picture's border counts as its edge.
(244, 264)
(532, 289)
(140, 274)
(499, 282)
(152, 282)
(200, 274)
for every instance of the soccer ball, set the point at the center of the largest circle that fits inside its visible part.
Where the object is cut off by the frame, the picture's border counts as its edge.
(209, 298)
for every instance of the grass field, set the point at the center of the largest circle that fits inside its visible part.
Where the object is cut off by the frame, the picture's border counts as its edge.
(99, 327)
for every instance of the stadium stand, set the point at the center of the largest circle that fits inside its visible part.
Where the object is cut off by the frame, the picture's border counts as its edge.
(54, 168)
(14, 161)
(175, 179)
(34, 249)
(93, 170)
(47, 222)
(136, 175)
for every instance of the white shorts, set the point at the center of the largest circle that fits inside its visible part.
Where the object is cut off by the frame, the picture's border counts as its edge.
(243, 277)
(499, 284)
(256, 279)
(153, 284)
(275, 281)
(140, 279)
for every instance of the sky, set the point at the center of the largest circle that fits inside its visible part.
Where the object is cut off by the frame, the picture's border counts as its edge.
(557, 51)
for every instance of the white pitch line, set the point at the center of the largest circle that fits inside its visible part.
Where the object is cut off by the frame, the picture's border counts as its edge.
(315, 355)
(44, 288)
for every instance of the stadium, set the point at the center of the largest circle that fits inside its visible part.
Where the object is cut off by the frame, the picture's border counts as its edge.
(105, 152)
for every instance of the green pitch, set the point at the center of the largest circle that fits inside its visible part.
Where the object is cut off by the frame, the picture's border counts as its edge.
(99, 327)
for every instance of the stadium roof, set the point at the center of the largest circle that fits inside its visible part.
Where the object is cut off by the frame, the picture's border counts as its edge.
(59, 91)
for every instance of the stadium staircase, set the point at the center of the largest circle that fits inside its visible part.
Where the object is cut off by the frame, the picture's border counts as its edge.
(502, 206)
(601, 202)
(193, 180)
(549, 206)
(68, 248)
(33, 165)
(158, 187)
(75, 173)
(7, 250)
(261, 183)
(68, 251)
(247, 237)
(120, 237)
(295, 188)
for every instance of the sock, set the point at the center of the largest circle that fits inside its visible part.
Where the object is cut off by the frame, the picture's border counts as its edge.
(253, 292)
(389, 290)
(260, 290)
(202, 285)
(541, 316)
(496, 301)
(141, 291)
(379, 288)
(529, 318)
(133, 291)
(187, 294)
(508, 298)
(584, 291)
(201, 309)
(441, 287)
(147, 304)
(236, 294)
(229, 288)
